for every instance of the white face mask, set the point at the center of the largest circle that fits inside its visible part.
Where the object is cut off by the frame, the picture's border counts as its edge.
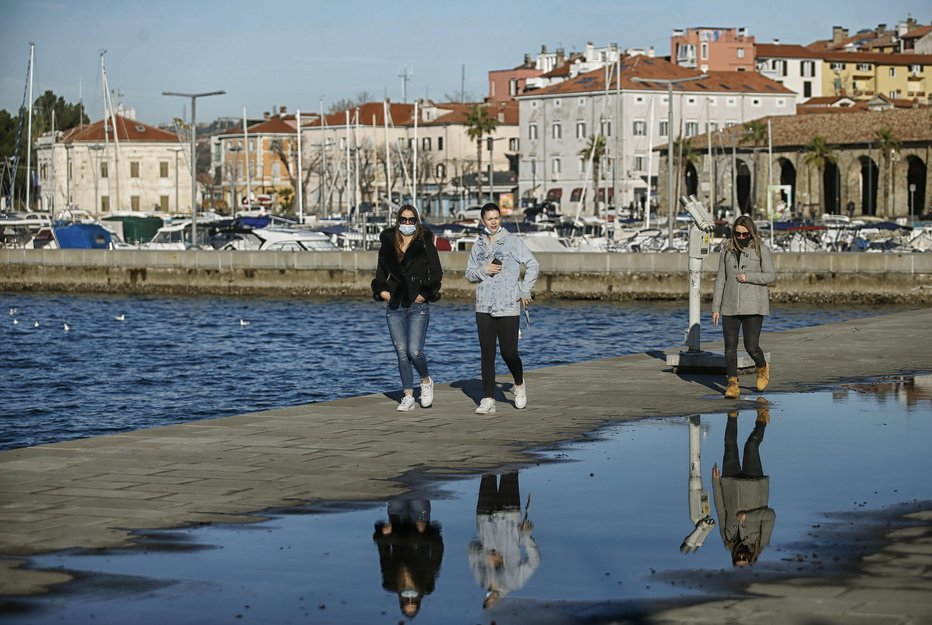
(407, 229)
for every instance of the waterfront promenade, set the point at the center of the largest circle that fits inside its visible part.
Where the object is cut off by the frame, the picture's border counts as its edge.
(92, 493)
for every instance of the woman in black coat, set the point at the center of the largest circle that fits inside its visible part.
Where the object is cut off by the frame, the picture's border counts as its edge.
(408, 278)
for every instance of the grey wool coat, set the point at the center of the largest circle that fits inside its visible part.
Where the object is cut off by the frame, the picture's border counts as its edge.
(743, 298)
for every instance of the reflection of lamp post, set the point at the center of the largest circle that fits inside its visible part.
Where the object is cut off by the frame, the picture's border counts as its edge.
(177, 199)
(669, 83)
(194, 97)
(96, 148)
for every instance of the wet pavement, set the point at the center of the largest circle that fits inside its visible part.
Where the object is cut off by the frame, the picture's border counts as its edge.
(608, 525)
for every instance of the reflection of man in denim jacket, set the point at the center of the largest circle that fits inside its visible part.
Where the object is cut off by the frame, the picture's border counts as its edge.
(504, 555)
(742, 493)
(498, 295)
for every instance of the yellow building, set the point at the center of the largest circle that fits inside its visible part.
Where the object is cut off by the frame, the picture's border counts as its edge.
(862, 75)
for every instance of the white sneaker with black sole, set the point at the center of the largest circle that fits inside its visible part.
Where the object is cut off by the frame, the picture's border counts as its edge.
(486, 406)
(407, 403)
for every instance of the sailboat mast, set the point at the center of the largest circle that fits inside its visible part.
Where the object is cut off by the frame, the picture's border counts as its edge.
(300, 177)
(248, 174)
(388, 155)
(108, 104)
(32, 52)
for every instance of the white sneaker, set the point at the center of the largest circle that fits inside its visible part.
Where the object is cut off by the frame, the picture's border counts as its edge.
(521, 395)
(427, 393)
(486, 406)
(407, 403)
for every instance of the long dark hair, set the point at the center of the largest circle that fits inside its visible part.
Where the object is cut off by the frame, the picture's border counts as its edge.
(419, 229)
(748, 223)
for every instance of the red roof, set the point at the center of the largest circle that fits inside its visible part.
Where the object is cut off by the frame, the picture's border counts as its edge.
(127, 130)
(880, 58)
(786, 51)
(370, 113)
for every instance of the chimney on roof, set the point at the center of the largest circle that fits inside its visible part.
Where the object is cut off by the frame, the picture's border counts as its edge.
(881, 28)
(527, 61)
(561, 57)
(543, 49)
(651, 52)
(776, 41)
(839, 34)
(282, 111)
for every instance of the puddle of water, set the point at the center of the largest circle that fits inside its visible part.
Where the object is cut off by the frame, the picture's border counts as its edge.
(608, 524)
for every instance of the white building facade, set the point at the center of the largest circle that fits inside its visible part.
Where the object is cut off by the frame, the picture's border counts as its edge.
(795, 67)
(558, 123)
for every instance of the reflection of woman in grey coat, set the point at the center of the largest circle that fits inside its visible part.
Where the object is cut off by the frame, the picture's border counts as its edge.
(741, 299)
(742, 492)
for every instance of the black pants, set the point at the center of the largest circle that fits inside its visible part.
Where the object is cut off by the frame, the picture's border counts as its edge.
(495, 495)
(751, 467)
(505, 331)
(750, 326)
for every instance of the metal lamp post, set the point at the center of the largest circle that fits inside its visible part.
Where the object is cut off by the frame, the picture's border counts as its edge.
(194, 97)
(669, 82)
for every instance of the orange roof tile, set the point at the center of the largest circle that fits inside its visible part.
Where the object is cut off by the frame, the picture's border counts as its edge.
(784, 50)
(127, 130)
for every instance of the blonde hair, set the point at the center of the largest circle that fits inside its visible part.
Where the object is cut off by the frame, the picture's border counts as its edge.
(748, 223)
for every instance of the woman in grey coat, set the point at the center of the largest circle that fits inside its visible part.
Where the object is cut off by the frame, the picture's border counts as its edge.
(741, 300)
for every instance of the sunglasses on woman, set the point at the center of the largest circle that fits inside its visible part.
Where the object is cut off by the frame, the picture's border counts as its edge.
(739, 234)
(407, 220)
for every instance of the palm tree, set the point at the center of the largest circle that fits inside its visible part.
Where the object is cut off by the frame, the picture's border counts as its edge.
(888, 144)
(595, 150)
(818, 154)
(478, 124)
(755, 134)
(683, 153)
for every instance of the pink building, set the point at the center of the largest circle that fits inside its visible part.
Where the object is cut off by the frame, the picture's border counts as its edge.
(713, 49)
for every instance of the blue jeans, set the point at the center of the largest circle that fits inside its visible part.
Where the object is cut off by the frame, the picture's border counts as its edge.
(408, 329)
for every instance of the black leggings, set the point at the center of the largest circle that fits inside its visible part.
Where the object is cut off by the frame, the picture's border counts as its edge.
(750, 326)
(505, 330)
(751, 467)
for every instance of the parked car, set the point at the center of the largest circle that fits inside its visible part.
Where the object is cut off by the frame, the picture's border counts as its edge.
(473, 212)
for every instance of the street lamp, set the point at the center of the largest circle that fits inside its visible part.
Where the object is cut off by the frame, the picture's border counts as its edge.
(669, 82)
(194, 97)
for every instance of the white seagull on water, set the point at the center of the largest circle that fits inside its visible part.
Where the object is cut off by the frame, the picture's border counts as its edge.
(67, 327)
(243, 323)
(120, 317)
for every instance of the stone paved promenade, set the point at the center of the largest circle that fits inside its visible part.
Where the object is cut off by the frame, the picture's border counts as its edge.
(92, 493)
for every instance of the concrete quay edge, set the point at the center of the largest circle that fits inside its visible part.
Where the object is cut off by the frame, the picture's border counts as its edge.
(92, 493)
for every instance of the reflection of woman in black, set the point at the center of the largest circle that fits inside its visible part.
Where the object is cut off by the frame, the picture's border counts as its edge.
(742, 492)
(410, 552)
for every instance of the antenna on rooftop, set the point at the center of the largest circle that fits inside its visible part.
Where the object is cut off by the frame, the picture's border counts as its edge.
(405, 76)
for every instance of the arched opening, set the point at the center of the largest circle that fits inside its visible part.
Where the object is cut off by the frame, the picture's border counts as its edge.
(831, 186)
(788, 178)
(869, 178)
(916, 185)
(743, 186)
(691, 179)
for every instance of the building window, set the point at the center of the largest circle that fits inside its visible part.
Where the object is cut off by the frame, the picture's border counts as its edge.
(704, 50)
(755, 101)
(712, 100)
(581, 165)
(440, 144)
(807, 89)
(557, 104)
(163, 203)
(532, 131)
(163, 169)
(731, 101)
(892, 72)
(425, 144)
(134, 169)
(640, 163)
(580, 130)
(533, 104)
(105, 203)
(711, 126)
(441, 171)
(864, 67)
(104, 169)
(557, 130)
(134, 203)
(690, 99)
(807, 69)
(730, 123)
(607, 127)
(639, 99)
(837, 67)
(740, 53)
(514, 144)
(581, 102)
(692, 128)
(555, 166)
(915, 70)
(893, 94)
(276, 172)
(664, 130)
(639, 128)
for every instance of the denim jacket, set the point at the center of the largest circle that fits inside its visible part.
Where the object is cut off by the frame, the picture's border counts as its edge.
(743, 298)
(498, 294)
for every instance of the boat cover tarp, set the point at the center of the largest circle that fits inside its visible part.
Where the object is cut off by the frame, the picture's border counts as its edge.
(136, 228)
(82, 237)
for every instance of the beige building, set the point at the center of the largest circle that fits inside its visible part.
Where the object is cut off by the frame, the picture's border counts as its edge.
(137, 168)
(714, 49)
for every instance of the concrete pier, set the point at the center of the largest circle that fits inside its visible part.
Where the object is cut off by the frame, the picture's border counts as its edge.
(92, 493)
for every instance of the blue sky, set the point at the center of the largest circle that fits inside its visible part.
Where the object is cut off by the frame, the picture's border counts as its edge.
(295, 52)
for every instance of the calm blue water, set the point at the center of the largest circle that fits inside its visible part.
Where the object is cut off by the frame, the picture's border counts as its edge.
(176, 359)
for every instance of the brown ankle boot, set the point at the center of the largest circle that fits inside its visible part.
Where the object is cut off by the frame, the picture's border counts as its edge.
(763, 376)
(733, 391)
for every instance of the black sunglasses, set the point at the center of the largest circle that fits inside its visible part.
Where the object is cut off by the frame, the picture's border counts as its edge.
(743, 235)
(407, 220)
